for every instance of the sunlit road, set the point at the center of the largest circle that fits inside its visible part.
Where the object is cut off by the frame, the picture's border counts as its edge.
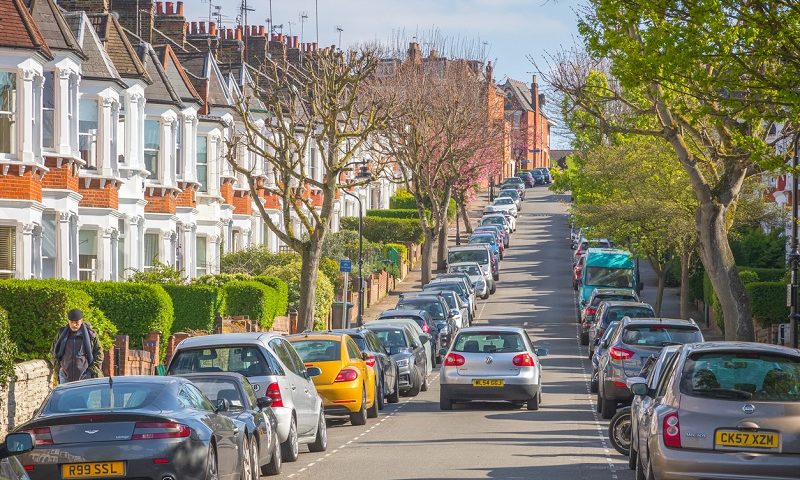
(563, 440)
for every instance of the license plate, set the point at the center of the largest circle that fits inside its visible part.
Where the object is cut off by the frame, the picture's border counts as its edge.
(488, 383)
(93, 470)
(736, 438)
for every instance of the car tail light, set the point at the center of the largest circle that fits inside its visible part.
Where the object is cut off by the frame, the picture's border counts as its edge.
(453, 360)
(371, 360)
(346, 375)
(274, 392)
(523, 360)
(29, 468)
(620, 353)
(426, 328)
(41, 436)
(159, 430)
(672, 430)
(591, 310)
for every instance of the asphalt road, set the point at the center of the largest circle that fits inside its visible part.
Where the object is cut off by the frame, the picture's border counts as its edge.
(565, 439)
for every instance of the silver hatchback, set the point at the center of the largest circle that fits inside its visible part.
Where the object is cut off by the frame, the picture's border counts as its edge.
(492, 363)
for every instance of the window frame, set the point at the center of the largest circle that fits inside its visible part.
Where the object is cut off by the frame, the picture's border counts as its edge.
(91, 154)
(49, 85)
(10, 234)
(155, 153)
(202, 180)
(13, 122)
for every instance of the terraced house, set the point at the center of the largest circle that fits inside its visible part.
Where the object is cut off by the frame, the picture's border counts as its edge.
(113, 129)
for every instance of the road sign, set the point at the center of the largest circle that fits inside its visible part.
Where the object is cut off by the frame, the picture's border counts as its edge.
(346, 265)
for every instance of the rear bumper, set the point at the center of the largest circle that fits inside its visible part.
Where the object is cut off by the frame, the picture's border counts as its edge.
(341, 397)
(507, 392)
(620, 392)
(284, 417)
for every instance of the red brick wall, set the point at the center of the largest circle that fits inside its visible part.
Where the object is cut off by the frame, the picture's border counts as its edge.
(242, 204)
(226, 191)
(94, 196)
(271, 200)
(25, 187)
(187, 197)
(60, 177)
(160, 204)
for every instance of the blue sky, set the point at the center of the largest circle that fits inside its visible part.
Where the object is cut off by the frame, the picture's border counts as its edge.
(513, 29)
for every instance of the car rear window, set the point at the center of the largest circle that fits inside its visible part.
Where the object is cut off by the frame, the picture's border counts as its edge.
(742, 375)
(660, 335)
(489, 342)
(245, 360)
(122, 396)
(483, 239)
(479, 255)
(318, 350)
(615, 314)
(612, 298)
(493, 221)
(391, 339)
(220, 388)
(468, 269)
(433, 307)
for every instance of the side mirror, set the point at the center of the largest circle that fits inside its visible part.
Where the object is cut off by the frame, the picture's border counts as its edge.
(222, 405)
(264, 402)
(313, 371)
(638, 386)
(454, 312)
(424, 338)
(17, 443)
(541, 352)
(364, 356)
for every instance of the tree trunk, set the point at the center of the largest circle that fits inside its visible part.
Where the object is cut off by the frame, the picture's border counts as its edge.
(465, 217)
(311, 255)
(427, 256)
(715, 252)
(441, 255)
(686, 257)
(661, 274)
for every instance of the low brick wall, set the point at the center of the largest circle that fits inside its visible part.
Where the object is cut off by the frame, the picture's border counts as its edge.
(21, 397)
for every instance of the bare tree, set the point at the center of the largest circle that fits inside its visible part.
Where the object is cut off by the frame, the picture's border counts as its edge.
(322, 105)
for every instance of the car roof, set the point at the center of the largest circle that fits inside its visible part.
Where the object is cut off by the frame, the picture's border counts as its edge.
(473, 246)
(386, 326)
(620, 303)
(493, 215)
(222, 339)
(741, 346)
(166, 380)
(612, 291)
(352, 332)
(658, 321)
(485, 328)
(402, 313)
(458, 264)
(320, 335)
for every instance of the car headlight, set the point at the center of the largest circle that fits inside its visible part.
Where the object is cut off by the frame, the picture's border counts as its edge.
(402, 363)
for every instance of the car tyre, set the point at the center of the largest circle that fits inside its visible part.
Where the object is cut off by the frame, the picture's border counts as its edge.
(249, 459)
(494, 289)
(360, 417)
(424, 386)
(496, 276)
(276, 461)
(533, 404)
(415, 386)
(607, 408)
(394, 397)
(485, 296)
(212, 466)
(380, 399)
(445, 403)
(320, 443)
(290, 449)
(372, 412)
(585, 338)
(593, 385)
(597, 402)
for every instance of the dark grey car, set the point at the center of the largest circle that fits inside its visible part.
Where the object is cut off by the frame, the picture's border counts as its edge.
(409, 355)
(152, 428)
(633, 343)
(614, 311)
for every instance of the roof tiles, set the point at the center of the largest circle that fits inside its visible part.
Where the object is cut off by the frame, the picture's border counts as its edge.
(19, 30)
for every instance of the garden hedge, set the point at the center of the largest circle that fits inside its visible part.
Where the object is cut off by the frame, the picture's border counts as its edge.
(280, 303)
(8, 350)
(251, 298)
(395, 213)
(195, 306)
(401, 249)
(768, 302)
(135, 308)
(402, 200)
(290, 273)
(766, 274)
(38, 308)
(387, 230)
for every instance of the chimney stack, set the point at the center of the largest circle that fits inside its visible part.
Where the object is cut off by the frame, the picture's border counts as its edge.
(414, 53)
(239, 32)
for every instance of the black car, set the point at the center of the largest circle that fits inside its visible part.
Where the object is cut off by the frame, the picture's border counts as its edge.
(379, 359)
(235, 398)
(527, 178)
(412, 361)
(437, 308)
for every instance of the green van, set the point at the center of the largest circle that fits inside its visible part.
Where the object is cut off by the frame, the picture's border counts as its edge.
(607, 268)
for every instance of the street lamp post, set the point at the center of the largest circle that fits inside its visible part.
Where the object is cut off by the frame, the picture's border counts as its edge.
(795, 255)
(360, 317)
(491, 189)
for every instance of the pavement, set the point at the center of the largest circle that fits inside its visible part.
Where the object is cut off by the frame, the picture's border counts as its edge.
(564, 440)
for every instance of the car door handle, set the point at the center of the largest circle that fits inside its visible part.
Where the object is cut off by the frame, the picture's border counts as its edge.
(294, 388)
(235, 430)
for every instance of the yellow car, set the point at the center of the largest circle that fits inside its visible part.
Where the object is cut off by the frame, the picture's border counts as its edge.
(347, 383)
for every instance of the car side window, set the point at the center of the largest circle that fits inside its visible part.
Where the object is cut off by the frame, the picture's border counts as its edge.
(298, 366)
(185, 399)
(196, 400)
(666, 374)
(352, 350)
(250, 394)
(282, 353)
(410, 340)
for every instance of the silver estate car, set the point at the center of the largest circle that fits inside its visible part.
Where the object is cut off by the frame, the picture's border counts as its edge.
(275, 370)
(635, 341)
(492, 363)
(722, 410)
(473, 270)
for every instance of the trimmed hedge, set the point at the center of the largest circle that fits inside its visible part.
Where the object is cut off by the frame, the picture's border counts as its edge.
(768, 301)
(290, 273)
(402, 249)
(195, 306)
(395, 213)
(251, 298)
(402, 200)
(278, 295)
(281, 300)
(38, 308)
(135, 308)
(8, 350)
(387, 230)
(766, 274)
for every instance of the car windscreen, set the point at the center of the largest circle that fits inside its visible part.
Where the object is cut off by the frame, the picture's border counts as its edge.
(609, 277)
(478, 255)
(612, 298)
(742, 375)
(471, 270)
(489, 342)
(615, 314)
(433, 307)
(660, 335)
(490, 239)
(102, 396)
(245, 360)
(391, 338)
(513, 194)
(318, 350)
(504, 201)
(495, 220)
(220, 389)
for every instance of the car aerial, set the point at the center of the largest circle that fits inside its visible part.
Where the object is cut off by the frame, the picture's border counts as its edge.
(459, 314)
(487, 238)
(491, 363)
(380, 360)
(479, 253)
(545, 173)
(527, 178)
(635, 340)
(412, 318)
(722, 410)
(497, 219)
(497, 230)
(439, 312)
(510, 220)
(600, 295)
(14, 444)
(407, 351)
(513, 194)
(473, 270)
(346, 383)
(235, 398)
(613, 311)
(503, 204)
(135, 427)
(599, 351)
(273, 368)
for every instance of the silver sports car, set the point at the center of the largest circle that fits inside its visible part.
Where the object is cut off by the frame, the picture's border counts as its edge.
(155, 428)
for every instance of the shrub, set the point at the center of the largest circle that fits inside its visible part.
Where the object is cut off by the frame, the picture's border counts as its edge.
(8, 350)
(387, 230)
(251, 298)
(255, 260)
(195, 306)
(281, 296)
(748, 276)
(330, 268)
(403, 200)
(766, 274)
(135, 308)
(344, 244)
(290, 274)
(401, 249)
(161, 273)
(38, 308)
(220, 279)
(395, 213)
(768, 301)
(755, 248)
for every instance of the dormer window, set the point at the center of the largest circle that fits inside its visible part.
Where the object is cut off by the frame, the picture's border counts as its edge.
(87, 131)
(8, 107)
(48, 110)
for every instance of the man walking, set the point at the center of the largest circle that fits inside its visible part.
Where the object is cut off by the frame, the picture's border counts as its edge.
(76, 352)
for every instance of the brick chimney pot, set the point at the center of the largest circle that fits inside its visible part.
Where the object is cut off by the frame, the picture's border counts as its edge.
(262, 31)
(160, 8)
(202, 26)
(180, 9)
(212, 29)
(169, 8)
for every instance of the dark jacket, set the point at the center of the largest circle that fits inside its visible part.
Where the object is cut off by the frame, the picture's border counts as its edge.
(78, 355)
